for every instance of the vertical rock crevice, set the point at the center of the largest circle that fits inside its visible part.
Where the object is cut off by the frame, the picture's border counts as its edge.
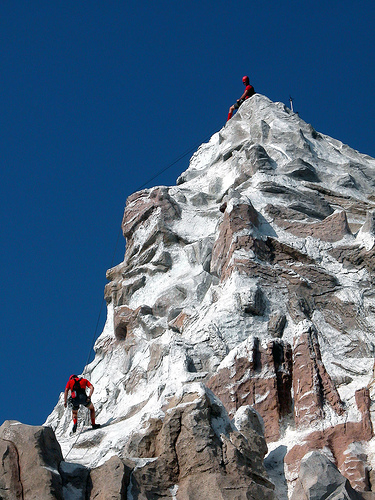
(312, 385)
(264, 380)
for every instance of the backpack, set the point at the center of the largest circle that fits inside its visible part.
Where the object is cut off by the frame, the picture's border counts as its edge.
(77, 389)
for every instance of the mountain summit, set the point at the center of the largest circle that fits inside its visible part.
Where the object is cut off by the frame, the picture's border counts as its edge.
(240, 325)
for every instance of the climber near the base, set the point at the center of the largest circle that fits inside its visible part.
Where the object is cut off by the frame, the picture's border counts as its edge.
(78, 396)
(249, 91)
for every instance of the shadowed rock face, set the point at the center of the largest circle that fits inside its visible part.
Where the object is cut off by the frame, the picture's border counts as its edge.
(10, 484)
(248, 284)
(319, 478)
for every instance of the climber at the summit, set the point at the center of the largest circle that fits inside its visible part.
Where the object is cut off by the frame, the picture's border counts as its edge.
(78, 396)
(249, 91)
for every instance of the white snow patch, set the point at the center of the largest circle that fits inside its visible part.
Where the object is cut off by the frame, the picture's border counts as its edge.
(365, 239)
(173, 491)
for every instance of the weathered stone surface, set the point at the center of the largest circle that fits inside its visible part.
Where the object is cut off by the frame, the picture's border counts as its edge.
(313, 387)
(139, 207)
(369, 225)
(263, 380)
(143, 443)
(258, 160)
(157, 353)
(310, 289)
(188, 456)
(177, 324)
(252, 301)
(10, 484)
(39, 457)
(276, 324)
(354, 257)
(311, 204)
(169, 299)
(332, 228)
(300, 169)
(75, 480)
(151, 211)
(348, 203)
(110, 480)
(320, 479)
(118, 291)
(281, 213)
(338, 440)
(242, 216)
(250, 424)
(126, 319)
(237, 248)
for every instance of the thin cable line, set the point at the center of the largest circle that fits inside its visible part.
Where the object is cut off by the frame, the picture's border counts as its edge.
(179, 158)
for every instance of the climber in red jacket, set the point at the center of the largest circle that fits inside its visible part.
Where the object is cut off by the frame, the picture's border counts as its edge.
(78, 396)
(249, 91)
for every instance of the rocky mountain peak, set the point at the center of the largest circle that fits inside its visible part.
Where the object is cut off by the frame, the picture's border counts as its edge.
(240, 323)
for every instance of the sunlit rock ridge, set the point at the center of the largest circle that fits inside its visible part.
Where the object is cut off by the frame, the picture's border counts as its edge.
(245, 290)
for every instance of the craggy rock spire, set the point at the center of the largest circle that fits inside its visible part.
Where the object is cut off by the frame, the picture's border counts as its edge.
(243, 307)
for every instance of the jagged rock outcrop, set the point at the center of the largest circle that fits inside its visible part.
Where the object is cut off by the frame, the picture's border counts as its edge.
(341, 441)
(251, 278)
(197, 453)
(10, 484)
(261, 378)
(31, 457)
(333, 228)
(312, 385)
(110, 480)
(319, 478)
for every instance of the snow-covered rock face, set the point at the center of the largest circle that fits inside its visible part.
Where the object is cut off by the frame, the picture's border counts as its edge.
(251, 277)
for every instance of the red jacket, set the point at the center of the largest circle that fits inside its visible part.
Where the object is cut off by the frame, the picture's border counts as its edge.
(83, 384)
(249, 91)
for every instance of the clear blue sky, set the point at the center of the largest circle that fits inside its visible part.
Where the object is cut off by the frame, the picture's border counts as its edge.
(96, 98)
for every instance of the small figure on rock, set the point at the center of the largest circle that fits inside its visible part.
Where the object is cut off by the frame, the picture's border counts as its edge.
(78, 396)
(249, 91)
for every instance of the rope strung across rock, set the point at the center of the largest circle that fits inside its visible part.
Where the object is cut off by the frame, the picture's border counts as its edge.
(164, 169)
